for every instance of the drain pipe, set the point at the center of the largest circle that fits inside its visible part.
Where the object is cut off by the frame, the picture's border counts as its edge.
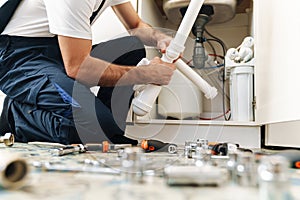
(142, 104)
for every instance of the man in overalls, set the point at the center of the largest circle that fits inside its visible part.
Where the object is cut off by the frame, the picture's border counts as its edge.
(48, 64)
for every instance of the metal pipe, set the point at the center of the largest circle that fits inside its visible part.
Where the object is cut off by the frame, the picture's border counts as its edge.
(13, 171)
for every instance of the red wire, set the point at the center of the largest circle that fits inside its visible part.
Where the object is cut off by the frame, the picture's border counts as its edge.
(214, 117)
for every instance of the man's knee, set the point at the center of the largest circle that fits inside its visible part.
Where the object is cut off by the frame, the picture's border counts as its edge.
(135, 51)
(137, 45)
(127, 50)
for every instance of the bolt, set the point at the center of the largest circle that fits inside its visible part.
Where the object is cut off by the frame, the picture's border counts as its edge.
(8, 139)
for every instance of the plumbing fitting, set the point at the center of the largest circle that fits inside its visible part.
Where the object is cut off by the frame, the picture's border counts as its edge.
(196, 149)
(13, 171)
(134, 164)
(8, 139)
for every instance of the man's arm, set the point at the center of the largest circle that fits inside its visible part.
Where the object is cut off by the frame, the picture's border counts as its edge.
(92, 71)
(137, 27)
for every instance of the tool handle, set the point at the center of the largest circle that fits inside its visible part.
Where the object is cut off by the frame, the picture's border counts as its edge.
(156, 145)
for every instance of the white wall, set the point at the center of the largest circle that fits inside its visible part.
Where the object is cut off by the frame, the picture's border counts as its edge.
(108, 26)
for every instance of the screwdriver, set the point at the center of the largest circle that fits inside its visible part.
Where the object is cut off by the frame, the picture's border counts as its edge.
(156, 145)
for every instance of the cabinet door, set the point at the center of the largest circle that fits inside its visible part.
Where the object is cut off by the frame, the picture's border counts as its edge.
(277, 30)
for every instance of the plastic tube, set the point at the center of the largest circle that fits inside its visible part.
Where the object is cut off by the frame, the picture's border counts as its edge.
(142, 104)
(13, 171)
(177, 44)
(209, 91)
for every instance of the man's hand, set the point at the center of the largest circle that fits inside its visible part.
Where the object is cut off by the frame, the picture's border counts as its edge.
(137, 27)
(157, 72)
(163, 43)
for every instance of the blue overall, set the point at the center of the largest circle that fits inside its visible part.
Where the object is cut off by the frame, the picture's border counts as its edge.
(44, 104)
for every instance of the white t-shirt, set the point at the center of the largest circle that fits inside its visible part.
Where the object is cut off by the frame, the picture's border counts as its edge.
(46, 18)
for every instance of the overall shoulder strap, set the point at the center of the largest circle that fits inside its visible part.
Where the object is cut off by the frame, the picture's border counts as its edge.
(96, 12)
(6, 12)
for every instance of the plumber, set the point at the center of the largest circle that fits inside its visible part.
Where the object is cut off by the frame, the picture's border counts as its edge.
(48, 65)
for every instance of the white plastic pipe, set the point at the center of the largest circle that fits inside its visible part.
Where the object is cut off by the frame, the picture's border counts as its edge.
(142, 104)
(209, 91)
(177, 44)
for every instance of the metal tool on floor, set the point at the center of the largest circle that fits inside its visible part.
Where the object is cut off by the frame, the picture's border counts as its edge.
(48, 166)
(105, 146)
(69, 149)
(195, 149)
